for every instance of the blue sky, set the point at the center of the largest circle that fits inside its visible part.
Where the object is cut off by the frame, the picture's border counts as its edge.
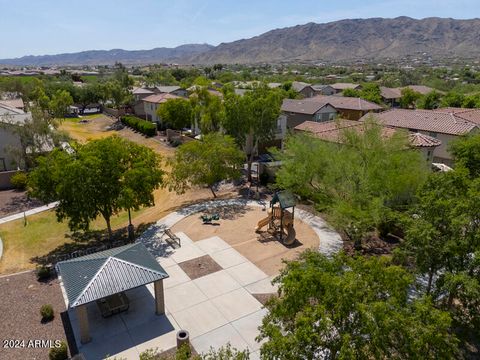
(37, 27)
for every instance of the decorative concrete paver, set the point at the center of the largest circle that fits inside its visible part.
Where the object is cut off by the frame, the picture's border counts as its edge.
(176, 276)
(248, 327)
(236, 304)
(228, 258)
(262, 287)
(183, 296)
(200, 319)
(218, 338)
(246, 273)
(216, 284)
(212, 245)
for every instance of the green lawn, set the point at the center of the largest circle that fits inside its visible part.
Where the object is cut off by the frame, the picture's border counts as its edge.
(40, 236)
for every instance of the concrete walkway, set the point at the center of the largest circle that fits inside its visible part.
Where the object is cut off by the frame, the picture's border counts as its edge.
(28, 212)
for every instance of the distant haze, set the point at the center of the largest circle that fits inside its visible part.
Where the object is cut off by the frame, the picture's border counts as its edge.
(334, 41)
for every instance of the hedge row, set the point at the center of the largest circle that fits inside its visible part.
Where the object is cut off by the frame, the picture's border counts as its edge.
(145, 127)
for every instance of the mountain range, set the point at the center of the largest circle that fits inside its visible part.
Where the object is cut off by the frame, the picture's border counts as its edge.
(343, 40)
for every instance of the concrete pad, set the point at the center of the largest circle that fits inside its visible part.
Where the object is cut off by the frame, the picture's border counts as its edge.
(212, 245)
(176, 276)
(161, 333)
(228, 258)
(236, 304)
(246, 273)
(217, 283)
(186, 252)
(183, 296)
(248, 328)
(166, 262)
(120, 345)
(262, 287)
(218, 338)
(200, 319)
(184, 239)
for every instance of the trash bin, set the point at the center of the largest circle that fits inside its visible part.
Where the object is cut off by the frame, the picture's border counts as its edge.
(183, 338)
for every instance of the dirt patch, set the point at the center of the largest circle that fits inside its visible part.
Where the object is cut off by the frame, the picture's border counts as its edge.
(21, 298)
(237, 227)
(199, 267)
(263, 298)
(14, 201)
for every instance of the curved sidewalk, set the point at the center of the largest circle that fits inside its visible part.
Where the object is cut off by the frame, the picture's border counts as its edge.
(20, 215)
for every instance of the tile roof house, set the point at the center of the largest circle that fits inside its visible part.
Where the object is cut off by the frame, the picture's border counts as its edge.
(303, 88)
(443, 124)
(391, 96)
(350, 108)
(295, 112)
(321, 89)
(332, 131)
(152, 102)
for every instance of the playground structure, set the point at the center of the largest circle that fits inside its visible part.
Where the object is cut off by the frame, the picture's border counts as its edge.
(279, 219)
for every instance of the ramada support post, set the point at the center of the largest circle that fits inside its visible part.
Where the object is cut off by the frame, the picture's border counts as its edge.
(159, 297)
(82, 316)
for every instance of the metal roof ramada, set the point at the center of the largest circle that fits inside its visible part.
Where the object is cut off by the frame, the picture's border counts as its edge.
(98, 275)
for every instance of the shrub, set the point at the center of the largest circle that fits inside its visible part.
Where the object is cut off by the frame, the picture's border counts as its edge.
(145, 127)
(19, 180)
(43, 273)
(58, 353)
(47, 312)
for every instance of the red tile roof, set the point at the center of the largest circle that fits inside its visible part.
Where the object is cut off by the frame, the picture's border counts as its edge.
(472, 115)
(332, 131)
(422, 140)
(346, 103)
(390, 93)
(160, 98)
(425, 120)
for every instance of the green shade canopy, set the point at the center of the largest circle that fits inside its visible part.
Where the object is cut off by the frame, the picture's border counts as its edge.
(285, 198)
(98, 275)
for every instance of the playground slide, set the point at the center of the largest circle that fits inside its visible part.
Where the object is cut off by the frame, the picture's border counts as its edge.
(291, 235)
(263, 222)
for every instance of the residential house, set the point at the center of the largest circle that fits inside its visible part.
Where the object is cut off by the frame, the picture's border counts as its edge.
(171, 89)
(9, 139)
(391, 96)
(339, 87)
(443, 124)
(140, 93)
(331, 131)
(295, 112)
(303, 88)
(349, 108)
(151, 104)
(320, 89)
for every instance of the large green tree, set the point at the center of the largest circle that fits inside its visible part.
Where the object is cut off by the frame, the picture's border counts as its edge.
(409, 98)
(101, 177)
(352, 308)
(177, 113)
(252, 119)
(358, 182)
(204, 163)
(442, 242)
(60, 103)
(466, 151)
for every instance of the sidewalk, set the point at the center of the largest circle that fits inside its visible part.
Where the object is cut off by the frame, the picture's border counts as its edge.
(28, 213)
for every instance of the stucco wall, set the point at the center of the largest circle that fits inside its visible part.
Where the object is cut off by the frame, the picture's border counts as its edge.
(8, 139)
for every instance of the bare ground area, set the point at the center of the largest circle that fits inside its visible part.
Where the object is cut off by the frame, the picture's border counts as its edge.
(237, 227)
(21, 298)
(15, 201)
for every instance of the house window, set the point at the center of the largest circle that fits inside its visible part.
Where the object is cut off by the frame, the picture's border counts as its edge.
(433, 134)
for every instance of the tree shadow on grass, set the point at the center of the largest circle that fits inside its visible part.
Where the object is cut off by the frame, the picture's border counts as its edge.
(88, 242)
